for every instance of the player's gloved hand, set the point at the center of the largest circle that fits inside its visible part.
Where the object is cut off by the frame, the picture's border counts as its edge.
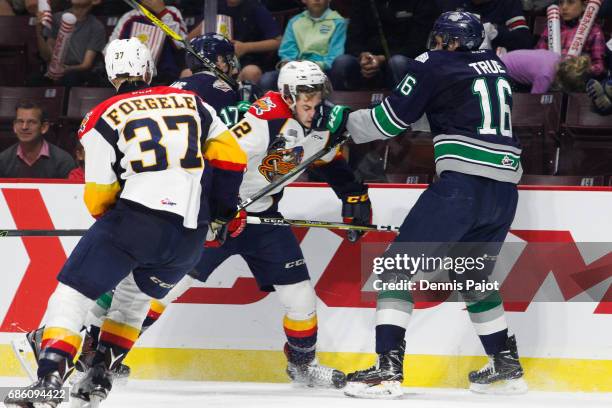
(243, 106)
(333, 118)
(220, 228)
(357, 210)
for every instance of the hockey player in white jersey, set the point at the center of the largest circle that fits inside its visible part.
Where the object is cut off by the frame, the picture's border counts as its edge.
(147, 149)
(277, 133)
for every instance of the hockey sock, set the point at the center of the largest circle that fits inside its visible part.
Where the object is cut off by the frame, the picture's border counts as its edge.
(158, 306)
(300, 322)
(61, 340)
(393, 311)
(489, 320)
(301, 339)
(58, 344)
(119, 336)
(155, 311)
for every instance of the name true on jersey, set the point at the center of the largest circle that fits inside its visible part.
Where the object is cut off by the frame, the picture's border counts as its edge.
(488, 67)
(150, 103)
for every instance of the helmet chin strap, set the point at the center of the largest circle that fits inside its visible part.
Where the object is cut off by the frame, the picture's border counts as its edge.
(290, 102)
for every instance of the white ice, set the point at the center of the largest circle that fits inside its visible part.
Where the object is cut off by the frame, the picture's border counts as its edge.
(183, 394)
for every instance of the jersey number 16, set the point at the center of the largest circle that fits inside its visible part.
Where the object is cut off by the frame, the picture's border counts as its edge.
(502, 91)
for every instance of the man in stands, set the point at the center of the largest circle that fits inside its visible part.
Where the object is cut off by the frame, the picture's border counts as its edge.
(32, 156)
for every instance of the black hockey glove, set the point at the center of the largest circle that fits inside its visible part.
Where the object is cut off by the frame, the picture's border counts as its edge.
(333, 118)
(357, 210)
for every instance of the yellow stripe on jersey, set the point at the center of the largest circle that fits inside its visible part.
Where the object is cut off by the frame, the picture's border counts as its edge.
(225, 153)
(100, 197)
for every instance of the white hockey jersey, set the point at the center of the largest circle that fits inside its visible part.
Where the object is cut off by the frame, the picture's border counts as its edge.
(275, 143)
(150, 146)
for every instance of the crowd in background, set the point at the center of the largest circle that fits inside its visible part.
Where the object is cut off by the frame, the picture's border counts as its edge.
(365, 44)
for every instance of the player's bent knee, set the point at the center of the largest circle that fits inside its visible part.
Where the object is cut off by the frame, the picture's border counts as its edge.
(299, 299)
(67, 308)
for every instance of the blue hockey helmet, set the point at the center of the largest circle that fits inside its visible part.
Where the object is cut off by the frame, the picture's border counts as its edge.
(460, 26)
(212, 46)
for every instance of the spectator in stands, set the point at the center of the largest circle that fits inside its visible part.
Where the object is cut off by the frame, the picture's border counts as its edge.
(381, 36)
(317, 34)
(168, 54)
(256, 35)
(78, 173)
(32, 156)
(543, 68)
(505, 24)
(86, 43)
(595, 45)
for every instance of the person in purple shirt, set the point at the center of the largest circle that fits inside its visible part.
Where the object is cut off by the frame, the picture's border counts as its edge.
(543, 69)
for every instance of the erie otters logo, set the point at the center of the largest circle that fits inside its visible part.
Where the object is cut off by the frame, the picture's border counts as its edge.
(263, 105)
(280, 162)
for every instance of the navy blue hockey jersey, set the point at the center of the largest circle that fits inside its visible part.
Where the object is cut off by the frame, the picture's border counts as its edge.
(468, 102)
(216, 92)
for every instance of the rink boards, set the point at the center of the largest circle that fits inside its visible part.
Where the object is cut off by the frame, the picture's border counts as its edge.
(227, 330)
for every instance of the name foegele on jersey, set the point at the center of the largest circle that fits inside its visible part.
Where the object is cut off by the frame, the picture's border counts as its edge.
(145, 103)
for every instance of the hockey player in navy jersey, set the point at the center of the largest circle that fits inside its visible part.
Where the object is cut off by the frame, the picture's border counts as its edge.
(229, 104)
(147, 149)
(467, 98)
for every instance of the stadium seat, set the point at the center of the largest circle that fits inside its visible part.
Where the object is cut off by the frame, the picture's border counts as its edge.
(586, 139)
(50, 98)
(546, 180)
(536, 121)
(18, 33)
(12, 60)
(81, 100)
(358, 99)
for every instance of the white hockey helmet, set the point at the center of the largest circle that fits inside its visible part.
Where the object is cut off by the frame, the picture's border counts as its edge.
(129, 58)
(297, 77)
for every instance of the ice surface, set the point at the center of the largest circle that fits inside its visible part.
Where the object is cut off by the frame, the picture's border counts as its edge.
(158, 394)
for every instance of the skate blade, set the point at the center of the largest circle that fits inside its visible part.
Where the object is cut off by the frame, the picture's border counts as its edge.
(95, 401)
(505, 387)
(25, 355)
(78, 402)
(384, 390)
(44, 405)
(19, 405)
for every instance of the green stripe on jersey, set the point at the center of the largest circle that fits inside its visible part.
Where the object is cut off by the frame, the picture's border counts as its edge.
(490, 302)
(384, 122)
(476, 154)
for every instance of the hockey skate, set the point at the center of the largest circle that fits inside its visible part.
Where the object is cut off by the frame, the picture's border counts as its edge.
(48, 390)
(304, 369)
(381, 381)
(88, 351)
(503, 373)
(97, 383)
(316, 375)
(22, 349)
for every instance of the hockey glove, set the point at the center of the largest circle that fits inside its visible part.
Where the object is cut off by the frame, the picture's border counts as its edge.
(220, 228)
(357, 210)
(333, 118)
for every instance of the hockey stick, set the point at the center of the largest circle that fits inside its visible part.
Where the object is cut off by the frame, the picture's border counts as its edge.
(297, 169)
(284, 222)
(207, 63)
(43, 233)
